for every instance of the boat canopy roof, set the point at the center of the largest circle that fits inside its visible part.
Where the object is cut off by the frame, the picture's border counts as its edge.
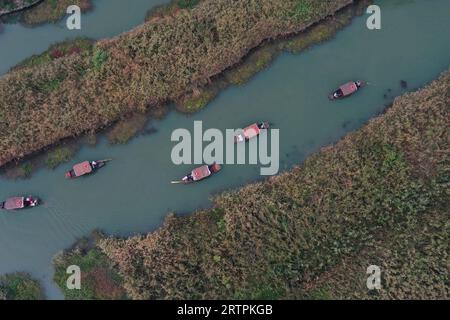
(348, 88)
(82, 168)
(14, 203)
(252, 131)
(201, 173)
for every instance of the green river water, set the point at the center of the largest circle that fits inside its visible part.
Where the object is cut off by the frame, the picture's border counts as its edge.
(133, 193)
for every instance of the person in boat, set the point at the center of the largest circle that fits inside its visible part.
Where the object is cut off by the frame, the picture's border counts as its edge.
(338, 94)
(347, 89)
(19, 203)
(29, 202)
(263, 125)
(251, 131)
(84, 168)
(214, 168)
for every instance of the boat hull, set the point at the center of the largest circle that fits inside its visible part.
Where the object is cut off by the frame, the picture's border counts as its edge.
(346, 90)
(199, 174)
(251, 132)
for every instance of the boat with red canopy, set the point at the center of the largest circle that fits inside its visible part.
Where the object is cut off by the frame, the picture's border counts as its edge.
(251, 131)
(85, 168)
(347, 90)
(200, 173)
(18, 203)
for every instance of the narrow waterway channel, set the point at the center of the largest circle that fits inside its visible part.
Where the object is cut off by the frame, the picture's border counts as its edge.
(133, 193)
(108, 18)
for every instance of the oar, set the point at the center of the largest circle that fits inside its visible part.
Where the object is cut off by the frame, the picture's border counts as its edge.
(177, 182)
(105, 160)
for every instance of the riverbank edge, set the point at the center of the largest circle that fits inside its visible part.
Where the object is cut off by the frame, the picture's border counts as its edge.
(207, 93)
(424, 174)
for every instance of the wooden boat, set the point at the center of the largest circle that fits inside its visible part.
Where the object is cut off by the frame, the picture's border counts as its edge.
(200, 173)
(251, 131)
(85, 168)
(18, 203)
(347, 90)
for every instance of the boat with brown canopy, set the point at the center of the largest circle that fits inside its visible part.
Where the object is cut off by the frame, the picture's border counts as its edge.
(199, 174)
(251, 131)
(17, 203)
(85, 168)
(347, 90)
